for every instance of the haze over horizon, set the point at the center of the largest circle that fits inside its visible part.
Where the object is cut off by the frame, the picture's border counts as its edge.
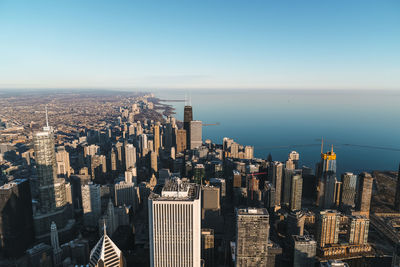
(194, 45)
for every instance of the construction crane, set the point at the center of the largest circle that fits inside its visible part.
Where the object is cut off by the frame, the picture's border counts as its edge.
(211, 124)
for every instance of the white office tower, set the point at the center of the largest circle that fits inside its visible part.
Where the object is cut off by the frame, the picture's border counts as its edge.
(57, 251)
(106, 253)
(196, 139)
(178, 242)
(130, 156)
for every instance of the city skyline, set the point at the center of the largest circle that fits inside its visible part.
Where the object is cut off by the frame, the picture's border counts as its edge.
(223, 45)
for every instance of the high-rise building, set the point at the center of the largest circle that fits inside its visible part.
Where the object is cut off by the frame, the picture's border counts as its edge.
(177, 243)
(397, 196)
(125, 194)
(51, 196)
(359, 227)
(248, 152)
(106, 254)
(52, 192)
(296, 191)
(153, 162)
(181, 140)
(207, 247)
(305, 248)
(91, 204)
(326, 176)
(364, 193)
(187, 118)
(16, 223)
(294, 157)
(130, 156)
(349, 186)
(156, 136)
(252, 237)
(327, 227)
(196, 139)
(63, 165)
(275, 173)
(237, 179)
(57, 251)
(234, 150)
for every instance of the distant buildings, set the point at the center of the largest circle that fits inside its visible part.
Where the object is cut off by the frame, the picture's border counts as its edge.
(177, 243)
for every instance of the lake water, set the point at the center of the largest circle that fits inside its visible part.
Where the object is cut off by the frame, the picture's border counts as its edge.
(363, 126)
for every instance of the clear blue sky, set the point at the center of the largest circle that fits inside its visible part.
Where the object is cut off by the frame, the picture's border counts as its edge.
(324, 44)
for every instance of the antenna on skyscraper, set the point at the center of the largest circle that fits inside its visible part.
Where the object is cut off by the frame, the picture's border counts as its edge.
(186, 102)
(47, 118)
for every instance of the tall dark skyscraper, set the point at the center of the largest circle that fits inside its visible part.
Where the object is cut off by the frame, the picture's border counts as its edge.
(16, 222)
(397, 197)
(187, 118)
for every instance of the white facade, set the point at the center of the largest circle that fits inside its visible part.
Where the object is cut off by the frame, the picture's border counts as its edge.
(175, 226)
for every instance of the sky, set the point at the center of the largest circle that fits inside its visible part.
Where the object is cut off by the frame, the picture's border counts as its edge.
(324, 44)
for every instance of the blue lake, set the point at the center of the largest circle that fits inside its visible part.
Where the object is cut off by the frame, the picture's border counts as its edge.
(363, 126)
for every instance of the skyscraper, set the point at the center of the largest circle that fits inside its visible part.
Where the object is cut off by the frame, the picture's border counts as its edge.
(130, 156)
(196, 139)
(364, 193)
(327, 227)
(181, 140)
(326, 176)
(359, 227)
(187, 118)
(106, 254)
(349, 183)
(296, 191)
(52, 192)
(16, 223)
(57, 251)
(156, 135)
(275, 171)
(91, 204)
(51, 189)
(178, 242)
(252, 237)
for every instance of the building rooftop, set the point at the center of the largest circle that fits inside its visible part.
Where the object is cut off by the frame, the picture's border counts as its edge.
(177, 189)
(12, 184)
(252, 211)
(303, 238)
